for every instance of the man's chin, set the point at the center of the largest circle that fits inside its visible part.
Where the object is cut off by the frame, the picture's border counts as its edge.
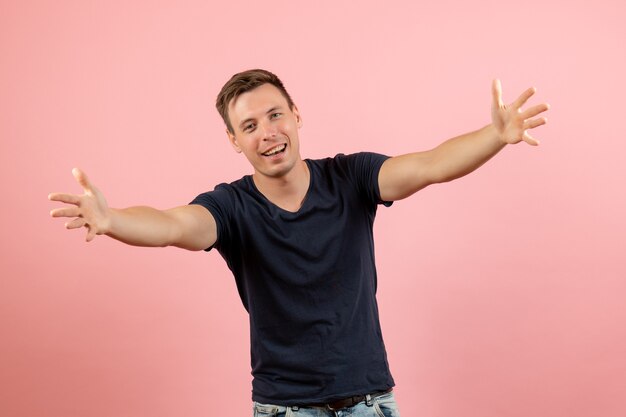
(277, 171)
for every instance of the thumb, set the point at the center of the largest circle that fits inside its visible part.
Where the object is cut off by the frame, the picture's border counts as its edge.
(82, 179)
(91, 233)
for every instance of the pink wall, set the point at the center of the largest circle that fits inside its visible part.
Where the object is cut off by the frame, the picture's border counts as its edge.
(501, 293)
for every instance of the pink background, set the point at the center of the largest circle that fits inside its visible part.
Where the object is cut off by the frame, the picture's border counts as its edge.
(501, 293)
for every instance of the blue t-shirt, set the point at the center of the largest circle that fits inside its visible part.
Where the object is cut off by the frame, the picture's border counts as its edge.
(308, 281)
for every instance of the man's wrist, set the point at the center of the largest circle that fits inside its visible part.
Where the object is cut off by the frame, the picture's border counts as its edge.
(492, 132)
(108, 223)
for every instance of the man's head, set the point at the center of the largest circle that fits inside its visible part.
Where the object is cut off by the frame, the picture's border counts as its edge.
(243, 82)
(262, 122)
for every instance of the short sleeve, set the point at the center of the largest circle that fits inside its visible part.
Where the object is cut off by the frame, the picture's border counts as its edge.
(364, 168)
(219, 202)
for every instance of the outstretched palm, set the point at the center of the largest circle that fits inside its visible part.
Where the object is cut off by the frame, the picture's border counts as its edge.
(511, 123)
(90, 211)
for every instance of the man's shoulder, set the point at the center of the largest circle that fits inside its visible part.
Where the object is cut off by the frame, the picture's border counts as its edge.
(332, 160)
(242, 183)
(226, 191)
(350, 160)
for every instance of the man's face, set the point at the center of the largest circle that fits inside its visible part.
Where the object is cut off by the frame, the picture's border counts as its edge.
(265, 130)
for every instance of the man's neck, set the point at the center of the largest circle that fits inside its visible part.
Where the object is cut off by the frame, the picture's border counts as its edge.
(288, 191)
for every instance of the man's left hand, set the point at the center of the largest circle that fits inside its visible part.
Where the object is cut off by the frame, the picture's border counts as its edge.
(511, 123)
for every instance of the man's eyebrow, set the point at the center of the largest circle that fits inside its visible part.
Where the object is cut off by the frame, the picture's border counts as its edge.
(273, 109)
(250, 119)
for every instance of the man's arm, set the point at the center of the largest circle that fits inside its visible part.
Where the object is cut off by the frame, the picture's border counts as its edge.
(404, 175)
(190, 227)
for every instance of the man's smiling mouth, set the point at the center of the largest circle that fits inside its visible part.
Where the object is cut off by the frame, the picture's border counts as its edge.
(275, 150)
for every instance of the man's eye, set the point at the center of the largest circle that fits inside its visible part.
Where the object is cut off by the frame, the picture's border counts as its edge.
(248, 128)
(275, 115)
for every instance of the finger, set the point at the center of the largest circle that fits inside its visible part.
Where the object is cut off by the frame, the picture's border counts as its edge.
(523, 98)
(90, 234)
(496, 91)
(529, 139)
(75, 224)
(82, 179)
(533, 123)
(65, 198)
(535, 110)
(65, 212)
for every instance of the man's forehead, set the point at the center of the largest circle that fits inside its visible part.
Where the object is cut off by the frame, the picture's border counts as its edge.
(257, 100)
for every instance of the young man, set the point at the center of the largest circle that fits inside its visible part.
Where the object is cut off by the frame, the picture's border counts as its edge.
(297, 235)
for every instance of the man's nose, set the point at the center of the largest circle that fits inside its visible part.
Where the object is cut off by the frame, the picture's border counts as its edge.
(269, 131)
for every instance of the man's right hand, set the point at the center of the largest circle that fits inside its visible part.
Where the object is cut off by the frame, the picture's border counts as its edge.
(189, 227)
(89, 209)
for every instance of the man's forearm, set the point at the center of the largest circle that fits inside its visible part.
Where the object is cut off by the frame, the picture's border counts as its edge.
(141, 226)
(463, 154)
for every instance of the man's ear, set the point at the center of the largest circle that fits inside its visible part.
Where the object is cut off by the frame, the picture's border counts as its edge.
(296, 113)
(233, 141)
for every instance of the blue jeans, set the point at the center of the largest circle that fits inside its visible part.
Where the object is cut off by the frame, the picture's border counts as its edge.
(383, 406)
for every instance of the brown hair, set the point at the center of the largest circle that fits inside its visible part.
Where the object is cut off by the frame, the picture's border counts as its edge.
(242, 83)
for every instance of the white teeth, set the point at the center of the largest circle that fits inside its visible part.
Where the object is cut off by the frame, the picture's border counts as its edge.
(275, 150)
